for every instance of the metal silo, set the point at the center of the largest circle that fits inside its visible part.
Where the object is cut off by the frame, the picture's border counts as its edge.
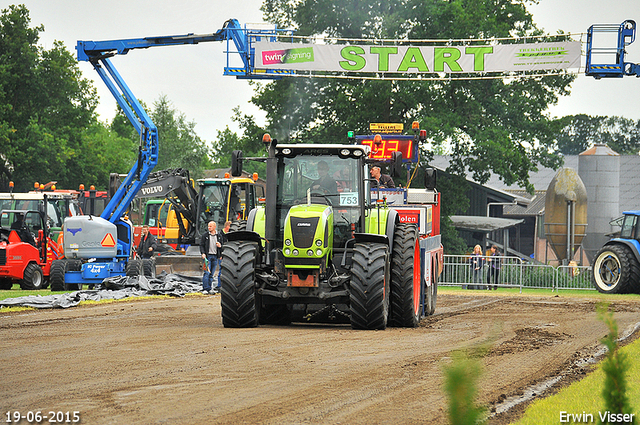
(599, 169)
(565, 213)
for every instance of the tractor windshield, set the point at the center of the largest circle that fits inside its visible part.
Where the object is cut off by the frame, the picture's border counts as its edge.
(213, 206)
(333, 178)
(629, 227)
(324, 179)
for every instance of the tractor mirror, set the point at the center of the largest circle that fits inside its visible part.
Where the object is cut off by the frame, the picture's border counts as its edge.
(430, 178)
(236, 163)
(396, 164)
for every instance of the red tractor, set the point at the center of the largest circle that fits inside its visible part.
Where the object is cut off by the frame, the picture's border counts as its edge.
(26, 251)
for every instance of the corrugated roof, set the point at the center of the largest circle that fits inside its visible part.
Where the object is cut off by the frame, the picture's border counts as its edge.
(476, 223)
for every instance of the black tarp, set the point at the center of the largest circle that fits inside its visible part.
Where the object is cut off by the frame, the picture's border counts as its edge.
(113, 289)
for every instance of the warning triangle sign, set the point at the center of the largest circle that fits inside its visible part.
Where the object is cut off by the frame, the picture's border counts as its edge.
(108, 241)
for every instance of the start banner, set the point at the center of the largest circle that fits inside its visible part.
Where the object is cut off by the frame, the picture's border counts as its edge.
(408, 59)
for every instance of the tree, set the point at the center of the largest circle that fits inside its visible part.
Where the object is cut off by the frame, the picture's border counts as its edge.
(250, 143)
(579, 132)
(48, 126)
(179, 145)
(493, 125)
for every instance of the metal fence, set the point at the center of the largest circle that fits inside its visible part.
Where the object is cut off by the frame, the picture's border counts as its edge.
(511, 272)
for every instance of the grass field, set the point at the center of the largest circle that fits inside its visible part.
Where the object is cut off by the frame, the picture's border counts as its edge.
(585, 397)
(16, 292)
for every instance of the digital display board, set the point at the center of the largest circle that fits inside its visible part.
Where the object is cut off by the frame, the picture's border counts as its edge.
(384, 150)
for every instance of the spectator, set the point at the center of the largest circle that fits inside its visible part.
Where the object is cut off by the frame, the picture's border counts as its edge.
(209, 247)
(381, 180)
(494, 268)
(343, 179)
(476, 267)
(148, 243)
(222, 239)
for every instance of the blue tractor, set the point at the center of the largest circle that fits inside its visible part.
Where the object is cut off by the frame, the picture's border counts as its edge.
(616, 267)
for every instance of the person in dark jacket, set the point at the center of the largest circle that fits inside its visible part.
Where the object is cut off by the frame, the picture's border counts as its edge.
(148, 243)
(493, 276)
(381, 180)
(209, 248)
(222, 239)
(20, 227)
(477, 262)
(325, 183)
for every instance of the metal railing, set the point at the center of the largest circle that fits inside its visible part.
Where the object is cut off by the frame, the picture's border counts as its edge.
(511, 272)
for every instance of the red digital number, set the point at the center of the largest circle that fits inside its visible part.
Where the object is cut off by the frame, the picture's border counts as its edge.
(387, 147)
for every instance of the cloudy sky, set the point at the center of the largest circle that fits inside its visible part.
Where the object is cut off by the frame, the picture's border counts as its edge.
(191, 76)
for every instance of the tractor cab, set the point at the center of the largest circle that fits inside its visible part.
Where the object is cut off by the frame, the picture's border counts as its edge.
(25, 250)
(630, 225)
(322, 194)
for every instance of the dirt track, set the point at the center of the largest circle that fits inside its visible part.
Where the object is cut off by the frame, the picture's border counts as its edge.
(171, 361)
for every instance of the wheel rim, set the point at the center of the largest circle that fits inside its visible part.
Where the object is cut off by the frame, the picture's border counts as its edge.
(608, 270)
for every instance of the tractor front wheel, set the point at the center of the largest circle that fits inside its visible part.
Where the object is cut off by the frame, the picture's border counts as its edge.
(615, 270)
(134, 268)
(369, 295)
(238, 299)
(73, 266)
(149, 267)
(56, 274)
(33, 278)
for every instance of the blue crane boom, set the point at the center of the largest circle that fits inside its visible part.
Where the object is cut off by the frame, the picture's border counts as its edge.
(98, 54)
(100, 247)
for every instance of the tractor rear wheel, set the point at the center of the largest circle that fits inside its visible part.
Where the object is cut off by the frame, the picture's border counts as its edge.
(33, 278)
(239, 301)
(406, 287)
(369, 295)
(615, 270)
(56, 274)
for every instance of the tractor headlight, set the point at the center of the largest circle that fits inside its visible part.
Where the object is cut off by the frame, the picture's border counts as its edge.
(310, 253)
(319, 252)
(287, 242)
(318, 242)
(287, 251)
(295, 252)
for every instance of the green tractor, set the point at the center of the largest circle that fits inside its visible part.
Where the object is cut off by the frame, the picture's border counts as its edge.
(321, 249)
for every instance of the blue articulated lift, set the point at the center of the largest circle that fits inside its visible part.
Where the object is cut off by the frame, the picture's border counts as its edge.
(100, 247)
